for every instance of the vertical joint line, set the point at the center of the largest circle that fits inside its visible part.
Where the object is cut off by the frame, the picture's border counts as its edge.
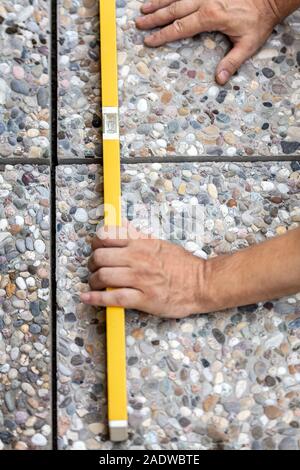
(53, 165)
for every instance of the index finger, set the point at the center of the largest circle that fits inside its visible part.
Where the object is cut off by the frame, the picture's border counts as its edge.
(183, 28)
(153, 5)
(111, 237)
(166, 15)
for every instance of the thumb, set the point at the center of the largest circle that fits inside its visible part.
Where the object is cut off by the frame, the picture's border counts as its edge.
(232, 62)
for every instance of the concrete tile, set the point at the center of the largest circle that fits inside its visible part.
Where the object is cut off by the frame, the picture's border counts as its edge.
(24, 79)
(169, 101)
(25, 326)
(79, 112)
(171, 105)
(205, 382)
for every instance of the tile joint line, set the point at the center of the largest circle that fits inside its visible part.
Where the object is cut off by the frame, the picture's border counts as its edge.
(53, 164)
(181, 159)
(59, 161)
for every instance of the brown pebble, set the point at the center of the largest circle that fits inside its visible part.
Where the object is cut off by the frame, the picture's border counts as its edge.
(33, 403)
(20, 446)
(10, 289)
(292, 369)
(231, 203)
(272, 412)
(249, 151)
(276, 199)
(14, 229)
(63, 425)
(166, 97)
(137, 333)
(183, 111)
(183, 374)
(44, 202)
(210, 402)
(215, 435)
(89, 349)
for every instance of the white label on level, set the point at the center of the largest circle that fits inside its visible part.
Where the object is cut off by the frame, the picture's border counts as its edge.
(110, 123)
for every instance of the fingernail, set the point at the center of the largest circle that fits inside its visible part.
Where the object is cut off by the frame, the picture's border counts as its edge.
(85, 296)
(147, 7)
(223, 76)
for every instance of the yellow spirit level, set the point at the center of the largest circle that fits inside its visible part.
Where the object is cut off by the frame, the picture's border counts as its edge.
(115, 316)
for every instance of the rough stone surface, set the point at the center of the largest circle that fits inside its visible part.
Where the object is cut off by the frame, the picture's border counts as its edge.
(233, 376)
(25, 359)
(24, 79)
(171, 93)
(79, 113)
(169, 101)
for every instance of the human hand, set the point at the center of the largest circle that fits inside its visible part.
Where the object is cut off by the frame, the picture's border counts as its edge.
(147, 274)
(247, 23)
(163, 279)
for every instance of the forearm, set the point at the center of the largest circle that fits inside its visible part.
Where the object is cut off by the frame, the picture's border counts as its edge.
(283, 8)
(263, 272)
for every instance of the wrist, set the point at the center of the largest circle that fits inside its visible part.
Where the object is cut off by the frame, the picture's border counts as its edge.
(222, 283)
(209, 295)
(282, 8)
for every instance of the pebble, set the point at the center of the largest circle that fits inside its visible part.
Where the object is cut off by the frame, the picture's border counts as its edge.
(28, 389)
(9, 401)
(21, 283)
(43, 97)
(267, 72)
(81, 215)
(212, 191)
(39, 440)
(287, 443)
(142, 106)
(20, 86)
(39, 246)
(289, 148)
(272, 412)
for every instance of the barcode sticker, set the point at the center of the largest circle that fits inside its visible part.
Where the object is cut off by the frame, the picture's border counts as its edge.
(110, 123)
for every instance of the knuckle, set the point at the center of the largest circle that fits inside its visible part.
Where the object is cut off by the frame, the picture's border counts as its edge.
(136, 248)
(95, 242)
(204, 12)
(97, 257)
(173, 9)
(210, 11)
(93, 297)
(91, 261)
(179, 26)
(121, 298)
(92, 281)
(102, 276)
(233, 64)
(105, 241)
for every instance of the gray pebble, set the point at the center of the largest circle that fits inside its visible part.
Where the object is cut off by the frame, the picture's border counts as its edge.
(20, 86)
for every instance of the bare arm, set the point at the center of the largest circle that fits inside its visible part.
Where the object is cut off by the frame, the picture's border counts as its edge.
(263, 272)
(247, 23)
(163, 279)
